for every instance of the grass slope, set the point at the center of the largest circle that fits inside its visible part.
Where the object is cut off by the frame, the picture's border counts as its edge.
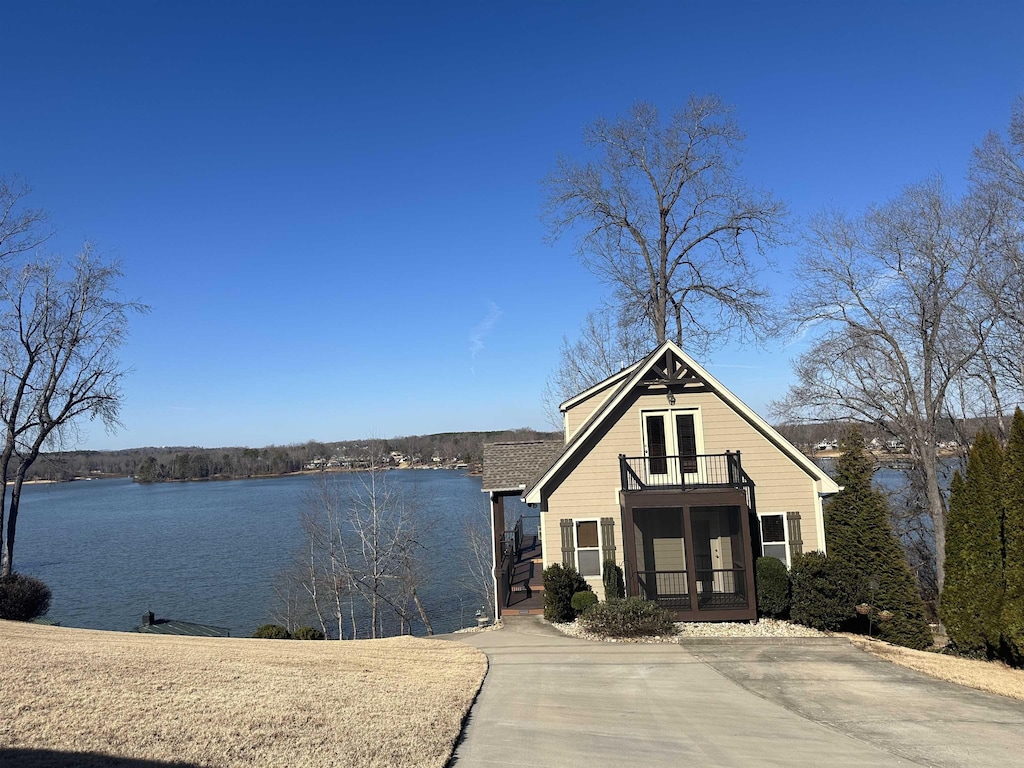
(231, 702)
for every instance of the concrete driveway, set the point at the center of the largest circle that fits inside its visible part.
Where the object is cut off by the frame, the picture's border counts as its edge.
(549, 700)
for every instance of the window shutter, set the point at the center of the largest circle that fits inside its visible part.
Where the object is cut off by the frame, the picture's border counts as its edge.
(796, 544)
(607, 539)
(568, 549)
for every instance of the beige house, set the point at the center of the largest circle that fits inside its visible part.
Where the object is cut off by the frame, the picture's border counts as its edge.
(669, 475)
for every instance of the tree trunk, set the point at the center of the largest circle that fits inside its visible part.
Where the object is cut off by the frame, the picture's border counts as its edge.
(423, 613)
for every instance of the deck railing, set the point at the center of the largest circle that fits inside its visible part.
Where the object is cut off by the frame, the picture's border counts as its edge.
(511, 547)
(717, 588)
(713, 470)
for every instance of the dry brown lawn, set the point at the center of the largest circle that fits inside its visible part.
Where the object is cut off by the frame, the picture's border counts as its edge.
(991, 676)
(100, 696)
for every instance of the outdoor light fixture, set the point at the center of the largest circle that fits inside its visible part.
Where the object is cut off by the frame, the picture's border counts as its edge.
(671, 398)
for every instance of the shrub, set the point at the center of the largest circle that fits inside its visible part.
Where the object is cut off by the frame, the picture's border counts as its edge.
(772, 587)
(272, 632)
(307, 633)
(825, 591)
(23, 598)
(583, 600)
(859, 534)
(972, 595)
(561, 582)
(1012, 614)
(614, 583)
(632, 617)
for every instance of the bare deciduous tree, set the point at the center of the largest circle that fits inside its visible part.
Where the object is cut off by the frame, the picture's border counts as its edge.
(364, 558)
(60, 328)
(609, 341)
(892, 298)
(22, 229)
(668, 223)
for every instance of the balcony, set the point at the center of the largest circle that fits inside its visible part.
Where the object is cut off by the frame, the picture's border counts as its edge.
(688, 472)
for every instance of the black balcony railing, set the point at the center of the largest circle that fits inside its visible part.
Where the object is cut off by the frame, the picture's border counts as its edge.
(718, 470)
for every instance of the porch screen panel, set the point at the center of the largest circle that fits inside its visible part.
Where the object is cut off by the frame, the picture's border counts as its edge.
(657, 446)
(720, 555)
(686, 435)
(661, 555)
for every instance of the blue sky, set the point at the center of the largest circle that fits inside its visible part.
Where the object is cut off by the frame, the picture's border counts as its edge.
(333, 209)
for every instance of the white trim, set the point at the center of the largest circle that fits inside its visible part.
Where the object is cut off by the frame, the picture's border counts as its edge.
(785, 534)
(672, 434)
(819, 514)
(825, 484)
(603, 384)
(576, 546)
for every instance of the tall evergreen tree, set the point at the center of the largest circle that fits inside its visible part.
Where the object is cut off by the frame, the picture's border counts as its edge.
(858, 532)
(1013, 542)
(973, 593)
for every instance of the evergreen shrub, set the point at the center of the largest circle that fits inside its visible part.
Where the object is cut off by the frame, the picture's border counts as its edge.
(860, 536)
(631, 617)
(561, 582)
(1012, 615)
(614, 583)
(272, 632)
(824, 591)
(583, 600)
(772, 587)
(307, 633)
(23, 598)
(972, 595)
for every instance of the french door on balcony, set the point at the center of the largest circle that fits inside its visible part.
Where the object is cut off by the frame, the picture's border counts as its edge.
(673, 438)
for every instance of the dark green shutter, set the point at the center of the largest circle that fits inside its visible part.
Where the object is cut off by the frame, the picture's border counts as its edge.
(796, 544)
(568, 548)
(607, 540)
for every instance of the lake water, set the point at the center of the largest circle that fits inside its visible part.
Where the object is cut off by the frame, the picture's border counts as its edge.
(208, 552)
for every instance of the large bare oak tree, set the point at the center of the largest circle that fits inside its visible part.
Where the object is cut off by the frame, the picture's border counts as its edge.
(664, 217)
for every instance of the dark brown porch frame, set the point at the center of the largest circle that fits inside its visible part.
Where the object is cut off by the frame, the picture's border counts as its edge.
(731, 497)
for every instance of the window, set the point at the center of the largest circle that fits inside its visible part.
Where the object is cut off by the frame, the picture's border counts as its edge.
(588, 548)
(672, 441)
(686, 436)
(773, 537)
(657, 447)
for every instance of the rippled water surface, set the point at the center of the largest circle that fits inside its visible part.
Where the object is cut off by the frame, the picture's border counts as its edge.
(208, 552)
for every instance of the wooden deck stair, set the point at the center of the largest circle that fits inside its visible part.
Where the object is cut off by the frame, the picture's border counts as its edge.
(527, 581)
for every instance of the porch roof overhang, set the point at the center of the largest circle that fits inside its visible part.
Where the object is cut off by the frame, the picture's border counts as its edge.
(510, 467)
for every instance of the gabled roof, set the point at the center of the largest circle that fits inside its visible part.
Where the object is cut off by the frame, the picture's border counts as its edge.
(513, 466)
(640, 371)
(604, 384)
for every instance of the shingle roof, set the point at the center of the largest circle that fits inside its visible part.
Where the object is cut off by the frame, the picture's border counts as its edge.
(513, 466)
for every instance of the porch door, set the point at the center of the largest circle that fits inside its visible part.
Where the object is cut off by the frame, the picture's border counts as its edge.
(672, 441)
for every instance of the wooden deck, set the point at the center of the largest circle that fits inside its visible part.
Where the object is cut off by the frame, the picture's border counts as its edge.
(527, 582)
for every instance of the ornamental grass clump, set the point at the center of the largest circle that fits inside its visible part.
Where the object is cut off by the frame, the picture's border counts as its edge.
(632, 617)
(561, 582)
(23, 598)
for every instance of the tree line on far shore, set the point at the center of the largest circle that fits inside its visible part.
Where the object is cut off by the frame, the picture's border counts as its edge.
(195, 463)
